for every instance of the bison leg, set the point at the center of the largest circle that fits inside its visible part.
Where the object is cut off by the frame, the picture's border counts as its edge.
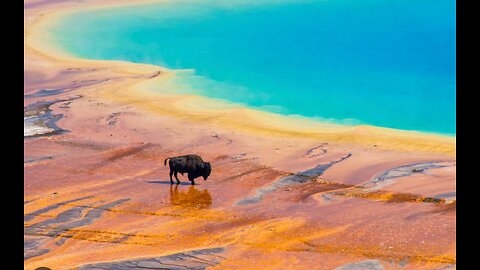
(192, 180)
(175, 174)
(171, 173)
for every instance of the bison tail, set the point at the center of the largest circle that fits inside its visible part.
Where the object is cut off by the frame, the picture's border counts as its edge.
(165, 162)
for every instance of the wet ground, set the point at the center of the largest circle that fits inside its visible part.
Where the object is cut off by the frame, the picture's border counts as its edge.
(117, 200)
(97, 195)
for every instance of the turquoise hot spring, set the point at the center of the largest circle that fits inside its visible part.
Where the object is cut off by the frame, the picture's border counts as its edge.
(387, 63)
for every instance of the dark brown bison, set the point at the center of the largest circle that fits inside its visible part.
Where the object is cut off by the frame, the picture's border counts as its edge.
(193, 165)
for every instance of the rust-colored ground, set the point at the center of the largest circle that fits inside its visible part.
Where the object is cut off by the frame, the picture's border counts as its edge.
(97, 195)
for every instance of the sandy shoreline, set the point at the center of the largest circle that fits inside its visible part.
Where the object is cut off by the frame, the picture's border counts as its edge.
(324, 194)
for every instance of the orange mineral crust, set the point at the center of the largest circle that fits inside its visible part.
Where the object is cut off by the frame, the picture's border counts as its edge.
(284, 193)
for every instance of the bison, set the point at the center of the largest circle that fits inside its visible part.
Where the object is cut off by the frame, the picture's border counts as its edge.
(193, 165)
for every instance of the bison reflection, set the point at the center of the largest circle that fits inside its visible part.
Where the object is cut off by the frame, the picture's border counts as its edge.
(190, 198)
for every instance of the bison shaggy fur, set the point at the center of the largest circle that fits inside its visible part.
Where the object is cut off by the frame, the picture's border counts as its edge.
(193, 165)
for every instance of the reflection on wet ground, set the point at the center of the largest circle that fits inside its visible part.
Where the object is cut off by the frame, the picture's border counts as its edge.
(192, 197)
(118, 205)
(301, 214)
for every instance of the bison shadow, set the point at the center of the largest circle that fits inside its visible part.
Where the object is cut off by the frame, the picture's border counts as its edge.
(167, 182)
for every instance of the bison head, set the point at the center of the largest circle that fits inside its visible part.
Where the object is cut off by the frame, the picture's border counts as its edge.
(207, 169)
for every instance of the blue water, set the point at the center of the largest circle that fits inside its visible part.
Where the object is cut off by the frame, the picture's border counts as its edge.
(388, 63)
